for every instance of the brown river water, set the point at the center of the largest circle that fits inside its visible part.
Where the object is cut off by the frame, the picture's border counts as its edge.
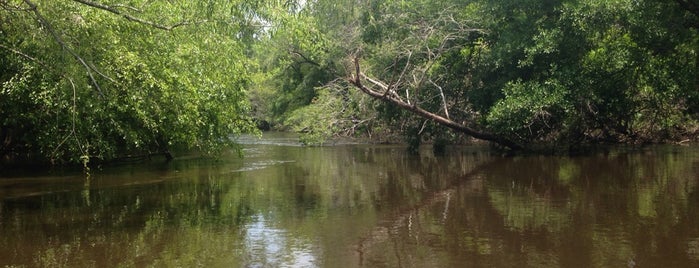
(353, 205)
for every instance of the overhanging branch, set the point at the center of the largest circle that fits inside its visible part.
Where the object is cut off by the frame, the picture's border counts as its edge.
(114, 10)
(24, 55)
(59, 40)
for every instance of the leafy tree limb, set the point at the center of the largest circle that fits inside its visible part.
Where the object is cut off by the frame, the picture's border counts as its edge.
(90, 69)
(114, 10)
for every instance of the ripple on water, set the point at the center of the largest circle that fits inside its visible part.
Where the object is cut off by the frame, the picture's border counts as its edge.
(261, 165)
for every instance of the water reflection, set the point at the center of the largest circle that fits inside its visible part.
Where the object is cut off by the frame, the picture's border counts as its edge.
(636, 209)
(269, 246)
(362, 206)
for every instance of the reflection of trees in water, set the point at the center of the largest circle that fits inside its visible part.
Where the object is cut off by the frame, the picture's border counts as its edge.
(359, 205)
(404, 236)
(617, 209)
(203, 213)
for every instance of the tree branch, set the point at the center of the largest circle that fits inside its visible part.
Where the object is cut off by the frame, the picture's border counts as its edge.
(63, 44)
(74, 109)
(6, 6)
(114, 10)
(402, 73)
(444, 99)
(356, 82)
(25, 55)
(388, 93)
(305, 59)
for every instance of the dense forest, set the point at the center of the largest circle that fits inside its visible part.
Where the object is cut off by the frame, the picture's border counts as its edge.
(88, 80)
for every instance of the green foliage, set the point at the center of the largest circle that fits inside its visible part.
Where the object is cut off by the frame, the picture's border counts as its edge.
(614, 63)
(292, 62)
(317, 121)
(297, 59)
(537, 71)
(80, 82)
(532, 110)
(141, 90)
(334, 112)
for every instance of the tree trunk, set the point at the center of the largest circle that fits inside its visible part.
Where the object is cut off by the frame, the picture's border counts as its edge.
(391, 97)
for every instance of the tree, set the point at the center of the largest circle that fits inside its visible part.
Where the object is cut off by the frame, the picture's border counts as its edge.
(598, 72)
(298, 55)
(386, 93)
(423, 51)
(85, 80)
(528, 73)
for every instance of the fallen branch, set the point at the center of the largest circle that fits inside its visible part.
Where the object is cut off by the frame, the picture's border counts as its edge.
(356, 81)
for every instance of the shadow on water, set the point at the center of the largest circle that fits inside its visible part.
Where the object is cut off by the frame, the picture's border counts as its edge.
(362, 206)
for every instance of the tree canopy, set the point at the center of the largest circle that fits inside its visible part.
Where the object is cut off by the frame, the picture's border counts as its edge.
(522, 74)
(86, 79)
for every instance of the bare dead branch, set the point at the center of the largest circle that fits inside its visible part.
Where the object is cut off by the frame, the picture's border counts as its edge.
(460, 127)
(72, 133)
(444, 99)
(402, 73)
(383, 87)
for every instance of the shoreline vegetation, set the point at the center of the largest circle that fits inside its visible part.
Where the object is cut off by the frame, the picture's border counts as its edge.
(436, 147)
(84, 83)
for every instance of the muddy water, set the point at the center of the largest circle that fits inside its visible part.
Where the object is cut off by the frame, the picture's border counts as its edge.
(346, 205)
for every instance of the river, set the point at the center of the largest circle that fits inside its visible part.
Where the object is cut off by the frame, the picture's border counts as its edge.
(354, 205)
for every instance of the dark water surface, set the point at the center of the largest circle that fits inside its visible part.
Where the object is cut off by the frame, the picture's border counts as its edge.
(362, 205)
